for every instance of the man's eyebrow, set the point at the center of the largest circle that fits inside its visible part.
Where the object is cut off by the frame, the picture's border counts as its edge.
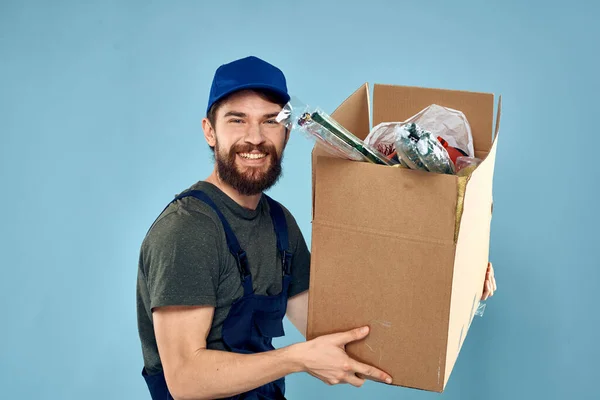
(271, 115)
(240, 114)
(235, 114)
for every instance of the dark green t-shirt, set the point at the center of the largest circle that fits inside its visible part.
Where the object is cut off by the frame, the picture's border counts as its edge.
(184, 260)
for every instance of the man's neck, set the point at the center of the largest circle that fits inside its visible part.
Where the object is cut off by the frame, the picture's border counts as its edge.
(249, 202)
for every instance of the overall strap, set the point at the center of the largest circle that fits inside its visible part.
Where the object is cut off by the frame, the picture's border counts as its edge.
(232, 242)
(281, 232)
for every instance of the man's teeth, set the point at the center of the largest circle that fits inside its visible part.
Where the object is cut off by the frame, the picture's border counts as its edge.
(252, 156)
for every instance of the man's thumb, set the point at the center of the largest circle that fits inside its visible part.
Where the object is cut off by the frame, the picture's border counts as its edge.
(353, 335)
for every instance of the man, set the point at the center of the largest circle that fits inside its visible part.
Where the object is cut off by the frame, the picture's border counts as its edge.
(224, 263)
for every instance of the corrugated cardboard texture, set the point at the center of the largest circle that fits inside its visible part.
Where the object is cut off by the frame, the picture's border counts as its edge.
(384, 251)
(421, 206)
(386, 282)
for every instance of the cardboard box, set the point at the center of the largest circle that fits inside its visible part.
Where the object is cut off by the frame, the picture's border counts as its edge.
(402, 251)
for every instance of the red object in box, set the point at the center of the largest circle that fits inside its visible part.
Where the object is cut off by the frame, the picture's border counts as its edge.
(453, 152)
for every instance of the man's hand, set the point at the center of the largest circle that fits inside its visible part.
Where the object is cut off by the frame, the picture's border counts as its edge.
(325, 358)
(489, 287)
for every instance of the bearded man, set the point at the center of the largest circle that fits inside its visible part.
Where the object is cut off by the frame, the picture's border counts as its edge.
(224, 263)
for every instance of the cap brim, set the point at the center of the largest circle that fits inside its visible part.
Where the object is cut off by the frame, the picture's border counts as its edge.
(284, 96)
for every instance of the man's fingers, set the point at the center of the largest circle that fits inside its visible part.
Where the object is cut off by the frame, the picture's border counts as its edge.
(341, 339)
(489, 286)
(370, 372)
(355, 380)
(492, 277)
(486, 291)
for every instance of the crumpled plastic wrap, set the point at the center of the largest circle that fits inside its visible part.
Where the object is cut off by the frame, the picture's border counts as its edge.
(334, 145)
(438, 136)
(450, 124)
(383, 138)
(419, 149)
(336, 140)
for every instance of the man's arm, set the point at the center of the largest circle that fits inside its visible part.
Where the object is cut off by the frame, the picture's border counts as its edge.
(297, 311)
(193, 372)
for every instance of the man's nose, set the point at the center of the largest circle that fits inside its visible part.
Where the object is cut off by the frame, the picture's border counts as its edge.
(254, 135)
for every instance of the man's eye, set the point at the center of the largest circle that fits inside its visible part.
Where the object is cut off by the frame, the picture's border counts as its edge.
(272, 122)
(236, 121)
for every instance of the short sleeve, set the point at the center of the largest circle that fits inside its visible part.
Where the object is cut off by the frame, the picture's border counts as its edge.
(300, 260)
(181, 260)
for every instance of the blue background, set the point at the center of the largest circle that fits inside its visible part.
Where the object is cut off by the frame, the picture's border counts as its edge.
(100, 110)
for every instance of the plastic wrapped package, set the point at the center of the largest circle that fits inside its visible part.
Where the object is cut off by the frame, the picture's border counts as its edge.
(334, 145)
(383, 139)
(336, 139)
(447, 123)
(337, 136)
(421, 150)
(450, 127)
(453, 152)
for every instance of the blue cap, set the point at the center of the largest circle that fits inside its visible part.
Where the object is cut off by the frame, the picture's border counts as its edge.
(247, 73)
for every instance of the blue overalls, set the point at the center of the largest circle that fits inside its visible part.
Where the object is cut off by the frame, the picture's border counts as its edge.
(253, 320)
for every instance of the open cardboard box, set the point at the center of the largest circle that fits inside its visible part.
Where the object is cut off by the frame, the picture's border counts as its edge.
(402, 251)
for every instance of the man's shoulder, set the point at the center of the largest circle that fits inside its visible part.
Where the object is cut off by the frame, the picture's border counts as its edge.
(185, 216)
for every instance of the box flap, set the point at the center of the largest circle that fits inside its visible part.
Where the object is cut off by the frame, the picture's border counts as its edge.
(397, 103)
(472, 255)
(352, 114)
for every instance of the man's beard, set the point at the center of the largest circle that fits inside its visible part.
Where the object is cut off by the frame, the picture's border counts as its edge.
(253, 180)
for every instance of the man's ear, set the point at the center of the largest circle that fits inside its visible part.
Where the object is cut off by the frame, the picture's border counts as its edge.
(209, 133)
(287, 136)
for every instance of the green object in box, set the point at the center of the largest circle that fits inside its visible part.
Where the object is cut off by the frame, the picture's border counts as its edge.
(348, 138)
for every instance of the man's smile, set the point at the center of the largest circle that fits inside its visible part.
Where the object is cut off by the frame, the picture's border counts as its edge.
(252, 156)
